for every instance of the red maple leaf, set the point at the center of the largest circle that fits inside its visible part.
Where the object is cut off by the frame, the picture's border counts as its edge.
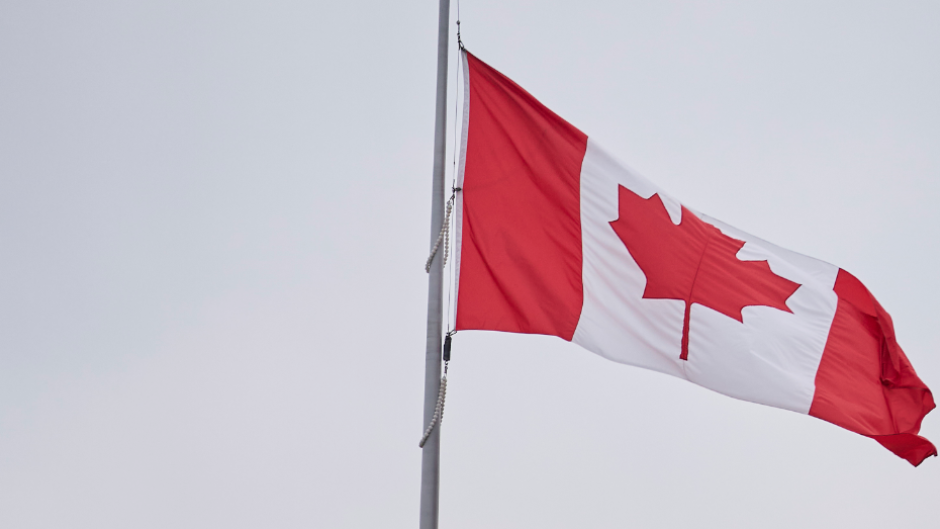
(694, 262)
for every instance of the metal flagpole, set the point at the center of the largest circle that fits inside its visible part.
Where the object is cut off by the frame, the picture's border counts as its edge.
(431, 453)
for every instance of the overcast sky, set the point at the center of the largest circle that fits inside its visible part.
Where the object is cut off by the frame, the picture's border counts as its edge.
(214, 219)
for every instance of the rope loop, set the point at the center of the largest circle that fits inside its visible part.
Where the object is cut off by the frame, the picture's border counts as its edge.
(438, 409)
(443, 237)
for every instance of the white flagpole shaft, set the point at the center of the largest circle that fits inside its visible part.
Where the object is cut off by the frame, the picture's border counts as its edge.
(431, 453)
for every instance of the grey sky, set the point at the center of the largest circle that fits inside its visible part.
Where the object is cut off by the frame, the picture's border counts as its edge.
(214, 219)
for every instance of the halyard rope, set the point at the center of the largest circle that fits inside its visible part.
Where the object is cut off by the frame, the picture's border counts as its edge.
(438, 409)
(444, 237)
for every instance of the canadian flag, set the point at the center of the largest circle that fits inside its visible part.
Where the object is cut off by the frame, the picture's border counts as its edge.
(555, 237)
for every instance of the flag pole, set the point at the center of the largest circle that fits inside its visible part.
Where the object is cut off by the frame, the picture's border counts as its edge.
(431, 453)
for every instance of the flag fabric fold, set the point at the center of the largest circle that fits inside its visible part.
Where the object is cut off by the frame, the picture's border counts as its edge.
(555, 237)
